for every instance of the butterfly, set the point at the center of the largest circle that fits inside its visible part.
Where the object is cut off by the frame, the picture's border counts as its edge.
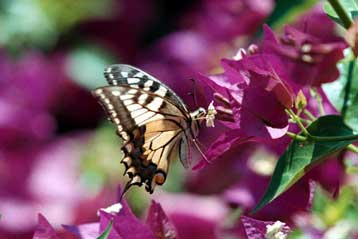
(154, 123)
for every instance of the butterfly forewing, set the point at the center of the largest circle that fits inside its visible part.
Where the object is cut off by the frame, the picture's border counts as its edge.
(151, 120)
(121, 74)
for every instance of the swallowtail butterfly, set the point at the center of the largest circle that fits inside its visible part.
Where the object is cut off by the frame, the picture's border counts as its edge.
(154, 123)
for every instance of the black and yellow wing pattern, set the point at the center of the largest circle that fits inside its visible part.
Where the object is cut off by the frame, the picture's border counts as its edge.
(152, 120)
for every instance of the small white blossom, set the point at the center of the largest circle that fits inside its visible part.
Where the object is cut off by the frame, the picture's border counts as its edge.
(306, 48)
(274, 231)
(239, 55)
(210, 116)
(113, 209)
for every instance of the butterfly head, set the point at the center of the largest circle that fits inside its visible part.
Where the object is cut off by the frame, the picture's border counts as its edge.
(198, 115)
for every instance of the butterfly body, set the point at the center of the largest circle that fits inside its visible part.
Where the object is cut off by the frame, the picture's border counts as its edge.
(154, 123)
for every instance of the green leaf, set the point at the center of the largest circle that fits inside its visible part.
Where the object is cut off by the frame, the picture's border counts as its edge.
(287, 11)
(301, 156)
(343, 93)
(105, 234)
(350, 6)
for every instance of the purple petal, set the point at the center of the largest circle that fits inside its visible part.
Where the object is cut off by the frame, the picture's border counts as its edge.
(159, 222)
(44, 230)
(309, 60)
(40, 125)
(221, 84)
(225, 142)
(239, 196)
(312, 190)
(194, 217)
(276, 133)
(105, 219)
(218, 20)
(84, 231)
(125, 225)
(259, 95)
(256, 229)
(269, 37)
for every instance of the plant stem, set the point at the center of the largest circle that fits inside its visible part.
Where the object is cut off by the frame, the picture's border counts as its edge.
(296, 136)
(352, 148)
(347, 88)
(298, 121)
(326, 139)
(309, 114)
(305, 120)
(318, 99)
(341, 12)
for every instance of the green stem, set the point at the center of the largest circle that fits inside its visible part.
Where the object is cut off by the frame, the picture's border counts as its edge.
(347, 88)
(305, 120)
(352, 148)
(296, 136)
(298, 121)
(318, 99)
(309, 114)
(341, 12)
(301, 138)
(334, 138)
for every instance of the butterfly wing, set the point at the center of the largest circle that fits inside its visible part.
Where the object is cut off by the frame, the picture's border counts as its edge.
(121, 74)
(151, 124)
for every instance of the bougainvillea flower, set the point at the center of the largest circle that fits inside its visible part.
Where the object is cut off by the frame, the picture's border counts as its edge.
(39, 125)
(32, 82)
(44, 230)
(219, 19)
(29, 90)
(32, 189)
(159, 222)
(194, 217)
(256, 229)
(127, 225)
(257, 97)
(229, 167)
(222, 144)
(84, 231)
(308, 59)
(260, 95)
(311, 23)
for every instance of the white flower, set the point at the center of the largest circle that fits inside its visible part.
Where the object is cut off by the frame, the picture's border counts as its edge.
(239, 55)
(210, 116)
(113, 209)
(274, 231)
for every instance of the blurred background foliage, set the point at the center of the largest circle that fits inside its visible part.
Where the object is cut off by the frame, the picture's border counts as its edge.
(60, 156)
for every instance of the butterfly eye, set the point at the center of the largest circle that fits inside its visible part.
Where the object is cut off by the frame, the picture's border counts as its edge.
(202, 112)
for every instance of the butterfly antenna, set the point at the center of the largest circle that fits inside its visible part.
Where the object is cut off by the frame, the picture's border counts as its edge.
(196, 143)
(202, 145)
(193, 94)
